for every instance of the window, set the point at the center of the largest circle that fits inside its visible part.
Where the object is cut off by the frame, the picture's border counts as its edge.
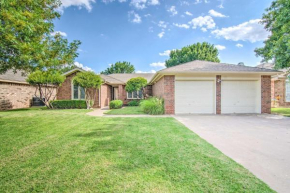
(135, 95)
(78, 93)
(287, 90)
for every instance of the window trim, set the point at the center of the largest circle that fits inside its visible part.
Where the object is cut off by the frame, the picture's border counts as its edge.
(133, 95)
(79, 92)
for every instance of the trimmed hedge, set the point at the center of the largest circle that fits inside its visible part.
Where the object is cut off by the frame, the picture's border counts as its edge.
(134, 103)
(116, 104)
(69, 104)
(153, 106)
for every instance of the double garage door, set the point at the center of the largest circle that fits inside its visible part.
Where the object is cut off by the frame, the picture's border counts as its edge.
(199, 97)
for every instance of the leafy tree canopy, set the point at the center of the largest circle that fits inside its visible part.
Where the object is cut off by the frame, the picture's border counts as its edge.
(90, 82)
(277, 46)
(136, 84)
(46, 84)
(87, 79)
(119, 67)
(198, 51)
(26, 42)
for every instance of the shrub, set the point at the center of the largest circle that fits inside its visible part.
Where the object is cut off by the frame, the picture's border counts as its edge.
(69, 104)
(134, 103)
(153, 106)
(116, 104)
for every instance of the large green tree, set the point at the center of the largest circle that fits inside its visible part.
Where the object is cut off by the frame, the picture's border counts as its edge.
(120, 67)
(198, 51)
(136, 84)
(26, 42)
(277, 46)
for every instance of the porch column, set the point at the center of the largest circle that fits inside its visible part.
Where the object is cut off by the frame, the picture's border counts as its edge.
(218, 93)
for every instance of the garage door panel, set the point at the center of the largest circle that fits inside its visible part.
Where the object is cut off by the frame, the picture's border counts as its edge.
(194, 97)
(239, 97)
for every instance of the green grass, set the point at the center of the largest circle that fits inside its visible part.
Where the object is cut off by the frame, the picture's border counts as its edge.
(282, 111)
(68, 151)
(126, 111)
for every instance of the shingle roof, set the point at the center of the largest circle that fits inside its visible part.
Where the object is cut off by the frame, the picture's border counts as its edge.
(205, 66)
(126, 76)
(10, 76)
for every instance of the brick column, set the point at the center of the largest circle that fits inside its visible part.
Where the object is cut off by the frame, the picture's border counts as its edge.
(218, 94)
(169, 94)
(266, 94)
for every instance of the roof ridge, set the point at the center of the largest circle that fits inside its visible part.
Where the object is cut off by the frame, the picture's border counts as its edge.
(115, 78)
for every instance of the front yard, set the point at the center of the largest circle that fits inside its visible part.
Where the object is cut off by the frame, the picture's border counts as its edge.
(68, 151)
(281, 111)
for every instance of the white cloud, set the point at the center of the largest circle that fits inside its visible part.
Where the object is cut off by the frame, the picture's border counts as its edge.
(172, 10)
(203, 29)
(151, 71)
(134, 17)
(200, 1)
(184, 3)
(221, 6)
(216, 14)
(162, 24)
(251, 31)
(139, 4)
(154, 2)
(205, 22)
(239, 45)
(161, 34)
(220, 47)
(150, 29)
(181, 25)
(165, 53)
(158, 64)
(82, 66)
(188, 13)
(59, 32)
(147, 15)
(79, 3)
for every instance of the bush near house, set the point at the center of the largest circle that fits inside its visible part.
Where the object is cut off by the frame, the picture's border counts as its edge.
(134, 103)
(69, 104)
(153, 106)
(116, 104)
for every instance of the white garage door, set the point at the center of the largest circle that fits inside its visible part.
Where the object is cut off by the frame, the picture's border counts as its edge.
(240, 97)
(194, 97)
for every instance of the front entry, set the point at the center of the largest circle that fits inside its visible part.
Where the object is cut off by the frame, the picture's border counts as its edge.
(116, 93)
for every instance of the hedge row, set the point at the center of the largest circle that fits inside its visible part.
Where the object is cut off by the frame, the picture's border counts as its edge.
(69, 104)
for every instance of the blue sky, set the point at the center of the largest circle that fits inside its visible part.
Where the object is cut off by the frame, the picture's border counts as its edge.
(143, 31)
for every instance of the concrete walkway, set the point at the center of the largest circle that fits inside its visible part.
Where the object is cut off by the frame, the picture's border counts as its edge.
(261, 143)
(101, 113)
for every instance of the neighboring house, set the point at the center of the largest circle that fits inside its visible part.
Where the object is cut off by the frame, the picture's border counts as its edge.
(113, 88)
(280, 86)
(199, 87)
(15, 92)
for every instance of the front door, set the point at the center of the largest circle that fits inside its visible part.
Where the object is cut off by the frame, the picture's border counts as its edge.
(116, 94)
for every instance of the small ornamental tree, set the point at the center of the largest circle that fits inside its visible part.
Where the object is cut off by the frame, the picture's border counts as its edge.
(90, 82)
(136, 84)
(46, 83)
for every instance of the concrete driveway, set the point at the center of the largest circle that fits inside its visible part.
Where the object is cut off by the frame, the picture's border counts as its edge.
(261, 143)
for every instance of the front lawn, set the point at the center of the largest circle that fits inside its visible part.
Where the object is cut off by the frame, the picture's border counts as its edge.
(282, 111)
(68, 151)
(126, 111)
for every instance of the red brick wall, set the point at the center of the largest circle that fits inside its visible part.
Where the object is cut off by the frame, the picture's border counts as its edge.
(105, 95)
(266, 94)
(15, 96)
(218, 94)
(158, 88)
(279, 91)
(164, 88)
(65, 91)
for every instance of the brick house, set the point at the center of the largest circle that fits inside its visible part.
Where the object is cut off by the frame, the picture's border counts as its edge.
(112, 88)
(15, 92)
(197, 87)
(280, 86)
